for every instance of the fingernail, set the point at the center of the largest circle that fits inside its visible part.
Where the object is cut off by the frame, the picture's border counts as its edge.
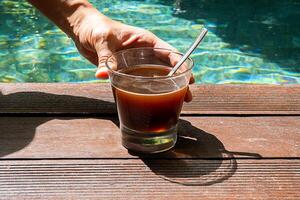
(102, 73)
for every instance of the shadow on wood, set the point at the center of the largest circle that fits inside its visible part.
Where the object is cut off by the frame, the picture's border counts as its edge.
(17, 134)
(198, 158)
(72, 99)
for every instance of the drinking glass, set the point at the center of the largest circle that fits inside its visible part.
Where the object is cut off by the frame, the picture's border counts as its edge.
(148, 106)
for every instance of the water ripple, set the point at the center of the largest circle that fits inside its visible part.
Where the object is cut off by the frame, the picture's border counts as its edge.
(33, 50)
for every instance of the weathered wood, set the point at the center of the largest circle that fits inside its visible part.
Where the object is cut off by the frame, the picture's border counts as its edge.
(97, 98)
(82, 157)
(56, 98)
(200, 137)
(150, 179)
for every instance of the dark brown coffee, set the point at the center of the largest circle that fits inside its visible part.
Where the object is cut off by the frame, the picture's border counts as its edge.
(149, 112)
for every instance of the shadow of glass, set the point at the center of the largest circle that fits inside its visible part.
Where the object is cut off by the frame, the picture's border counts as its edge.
(16, 132)
(198, 158)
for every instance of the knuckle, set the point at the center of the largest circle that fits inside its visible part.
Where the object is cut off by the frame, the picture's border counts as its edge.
(102, 34)
(103, 59)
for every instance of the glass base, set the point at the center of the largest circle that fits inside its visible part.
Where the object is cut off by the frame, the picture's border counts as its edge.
(148, 142)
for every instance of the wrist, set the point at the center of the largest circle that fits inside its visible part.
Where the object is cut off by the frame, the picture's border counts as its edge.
(73, 13)
(82, 19)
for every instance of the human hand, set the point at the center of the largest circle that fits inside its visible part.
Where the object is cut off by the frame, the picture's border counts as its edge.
(97, 37)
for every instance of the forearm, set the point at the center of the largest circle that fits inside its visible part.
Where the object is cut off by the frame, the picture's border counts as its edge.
(66, 14)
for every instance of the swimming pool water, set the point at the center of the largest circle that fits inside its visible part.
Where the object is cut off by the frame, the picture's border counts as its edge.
(248, 42)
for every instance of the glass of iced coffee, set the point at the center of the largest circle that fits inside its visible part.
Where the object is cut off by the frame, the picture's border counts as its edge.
(148, 101)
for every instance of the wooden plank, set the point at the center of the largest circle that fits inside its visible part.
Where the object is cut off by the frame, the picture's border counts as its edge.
(56, 98)
(97, 98)
(150, 179)
(200, 137)
(245, 99)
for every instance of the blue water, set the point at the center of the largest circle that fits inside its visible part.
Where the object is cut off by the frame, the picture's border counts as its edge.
(249, 41)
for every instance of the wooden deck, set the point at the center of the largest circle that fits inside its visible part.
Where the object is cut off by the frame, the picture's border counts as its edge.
(61, 141)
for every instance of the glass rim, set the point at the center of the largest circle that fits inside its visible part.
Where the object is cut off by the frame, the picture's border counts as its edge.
(149, 78)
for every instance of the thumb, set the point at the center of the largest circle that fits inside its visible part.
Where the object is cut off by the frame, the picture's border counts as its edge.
(103, 54)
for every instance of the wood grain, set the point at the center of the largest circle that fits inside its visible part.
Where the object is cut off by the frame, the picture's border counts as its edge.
(98, 99)
(48, 156)
(151, 179)
(200, 137)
